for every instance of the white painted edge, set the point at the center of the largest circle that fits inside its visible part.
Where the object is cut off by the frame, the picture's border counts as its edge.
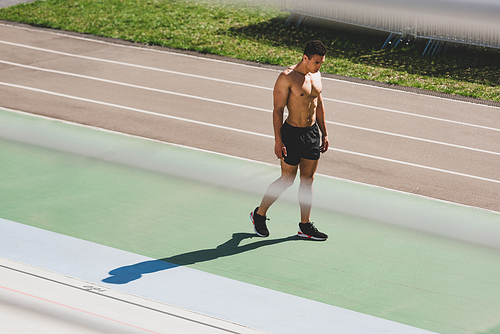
(215, 296)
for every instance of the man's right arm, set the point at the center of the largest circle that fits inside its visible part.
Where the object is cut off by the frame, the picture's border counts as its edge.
(280, 96)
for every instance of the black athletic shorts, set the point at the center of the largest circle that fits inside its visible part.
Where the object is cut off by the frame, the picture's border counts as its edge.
(300, 143)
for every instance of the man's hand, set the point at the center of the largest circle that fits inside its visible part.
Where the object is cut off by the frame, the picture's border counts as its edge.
(279, 149)
(324, 144)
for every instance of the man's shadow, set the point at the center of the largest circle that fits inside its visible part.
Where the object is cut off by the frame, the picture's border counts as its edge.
(231, 247)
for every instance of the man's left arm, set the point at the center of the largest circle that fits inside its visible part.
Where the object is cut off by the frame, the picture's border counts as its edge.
(320, 118)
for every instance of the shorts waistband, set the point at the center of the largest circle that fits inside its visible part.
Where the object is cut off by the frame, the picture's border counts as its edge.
(299, 128)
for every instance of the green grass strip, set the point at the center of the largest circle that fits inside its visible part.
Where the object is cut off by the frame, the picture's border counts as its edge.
(255, 31)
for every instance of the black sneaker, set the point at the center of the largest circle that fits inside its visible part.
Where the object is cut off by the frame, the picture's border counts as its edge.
(259, 223)
(310, 232)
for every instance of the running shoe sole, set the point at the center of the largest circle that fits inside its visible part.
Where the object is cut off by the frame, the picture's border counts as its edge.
(307, 236)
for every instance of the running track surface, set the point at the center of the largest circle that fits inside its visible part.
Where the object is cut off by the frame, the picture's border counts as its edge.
(162, 202)
(425, 145)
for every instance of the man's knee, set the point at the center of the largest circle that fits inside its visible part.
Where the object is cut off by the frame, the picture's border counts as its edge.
(306, 180)
(287, 180)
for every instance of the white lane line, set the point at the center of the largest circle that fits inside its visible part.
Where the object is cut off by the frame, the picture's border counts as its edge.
(133, 65)
(410, 114)
(133, 109)
(139, 47)
(231, 129)
(413, 138)
(119, 83)
(233, 104)
(204, 58)
(237, 83)
(415, 165)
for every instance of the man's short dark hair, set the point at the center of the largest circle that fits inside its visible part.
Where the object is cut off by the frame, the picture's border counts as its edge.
(314, 48)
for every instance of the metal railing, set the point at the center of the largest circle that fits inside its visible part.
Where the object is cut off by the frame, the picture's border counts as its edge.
(442, 22)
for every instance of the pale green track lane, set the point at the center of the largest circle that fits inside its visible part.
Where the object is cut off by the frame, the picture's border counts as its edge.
(410, 277)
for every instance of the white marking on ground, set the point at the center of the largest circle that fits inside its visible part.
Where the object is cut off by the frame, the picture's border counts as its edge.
(238, 105)
(194, 290)
(232, 129)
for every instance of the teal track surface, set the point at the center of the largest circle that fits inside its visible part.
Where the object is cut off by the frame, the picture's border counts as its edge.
(412, 260)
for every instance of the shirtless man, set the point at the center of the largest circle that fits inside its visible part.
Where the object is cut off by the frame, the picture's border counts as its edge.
(298, 142)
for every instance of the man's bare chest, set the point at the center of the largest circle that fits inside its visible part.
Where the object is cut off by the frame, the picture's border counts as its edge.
(306, 87)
